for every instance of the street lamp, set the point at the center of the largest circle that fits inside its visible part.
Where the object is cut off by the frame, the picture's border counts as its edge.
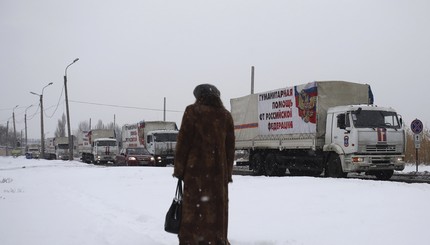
(25, 122)
(42, 135)
(14, 127)
(67, 112)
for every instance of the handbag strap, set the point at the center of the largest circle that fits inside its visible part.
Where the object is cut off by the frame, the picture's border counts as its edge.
(178, 195)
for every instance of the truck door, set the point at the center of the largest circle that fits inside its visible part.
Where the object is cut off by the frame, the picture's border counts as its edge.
(341, 130)
(150, 145)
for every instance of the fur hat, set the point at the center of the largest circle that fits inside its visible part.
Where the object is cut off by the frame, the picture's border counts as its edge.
(205, 90)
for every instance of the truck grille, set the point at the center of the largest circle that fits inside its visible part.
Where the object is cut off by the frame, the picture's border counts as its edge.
(380, 148)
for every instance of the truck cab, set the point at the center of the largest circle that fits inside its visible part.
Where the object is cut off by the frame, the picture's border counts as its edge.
(161, 144)
(104, 150)
(33, 151)
(364, 138)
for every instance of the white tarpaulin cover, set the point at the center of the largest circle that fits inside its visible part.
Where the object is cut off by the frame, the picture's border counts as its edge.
(294, 110)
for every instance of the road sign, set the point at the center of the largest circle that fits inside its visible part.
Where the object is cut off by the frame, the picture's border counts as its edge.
(417, 140)
(417, 126)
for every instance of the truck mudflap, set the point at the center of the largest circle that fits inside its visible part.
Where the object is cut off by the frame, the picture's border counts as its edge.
(370, 163)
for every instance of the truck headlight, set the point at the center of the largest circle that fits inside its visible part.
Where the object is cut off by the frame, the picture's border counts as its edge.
(400, 159)
(357, 159)
(131, 158)
(152, 159)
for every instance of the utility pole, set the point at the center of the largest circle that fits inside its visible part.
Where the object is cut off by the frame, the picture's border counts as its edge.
(25, 127)
(69, 135)
(164, 110)
(14, 127)
(25, 122)
(7, 138)
(252, 79)
(42, 133)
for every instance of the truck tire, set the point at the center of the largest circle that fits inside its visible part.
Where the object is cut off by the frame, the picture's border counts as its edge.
(383, 174)
(272, 166)
(334, 167)
(257, 164)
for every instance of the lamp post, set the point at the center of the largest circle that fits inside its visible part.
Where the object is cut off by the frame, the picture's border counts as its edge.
(7, 137)
(14, 127)
(67, 112)
(25, 122)
(42, 135)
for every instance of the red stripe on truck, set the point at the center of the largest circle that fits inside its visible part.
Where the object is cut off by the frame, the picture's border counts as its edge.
(248, 125)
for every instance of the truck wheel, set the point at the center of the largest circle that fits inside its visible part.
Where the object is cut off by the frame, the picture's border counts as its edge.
(384, 174)
(334, 167)
(257, 164)
(272, 167)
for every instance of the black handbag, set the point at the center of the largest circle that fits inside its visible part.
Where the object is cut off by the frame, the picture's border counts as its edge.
(174, 214)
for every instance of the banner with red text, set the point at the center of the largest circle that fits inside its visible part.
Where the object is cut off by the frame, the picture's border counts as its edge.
(289, 110)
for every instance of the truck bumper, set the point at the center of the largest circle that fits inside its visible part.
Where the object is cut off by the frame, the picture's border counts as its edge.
(365, 163)
(104, 158)
(163, 160)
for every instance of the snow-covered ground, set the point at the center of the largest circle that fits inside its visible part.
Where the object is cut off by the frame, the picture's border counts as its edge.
(72, 203)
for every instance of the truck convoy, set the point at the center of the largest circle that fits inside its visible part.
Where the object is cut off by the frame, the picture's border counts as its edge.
(325, 126)
(158, 137)
(97, 146)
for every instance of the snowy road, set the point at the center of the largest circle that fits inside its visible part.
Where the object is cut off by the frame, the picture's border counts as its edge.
(69, 203)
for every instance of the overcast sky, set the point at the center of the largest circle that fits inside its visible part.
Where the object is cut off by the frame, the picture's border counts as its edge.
(133, 53)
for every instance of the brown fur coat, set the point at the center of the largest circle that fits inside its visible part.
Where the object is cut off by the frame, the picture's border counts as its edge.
(204, 160)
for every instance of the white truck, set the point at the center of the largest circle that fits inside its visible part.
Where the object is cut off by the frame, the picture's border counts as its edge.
(32, 151)
(97, 146)
(158, 137)
(331, 127)
(57, 148)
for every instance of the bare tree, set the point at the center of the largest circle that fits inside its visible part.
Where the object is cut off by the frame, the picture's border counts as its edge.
(4, 139)
(99, 125)
(61, 127)
(117, 130)
(84, 126)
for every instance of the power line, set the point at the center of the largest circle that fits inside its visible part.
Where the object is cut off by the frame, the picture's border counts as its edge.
(56, 108)
(34, 114)
(20, 121)
(121, 106)
(91, 103)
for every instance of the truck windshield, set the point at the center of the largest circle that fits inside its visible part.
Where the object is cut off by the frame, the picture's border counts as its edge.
(375, 119)
(106, 143)
(165, 137)
(63, 146)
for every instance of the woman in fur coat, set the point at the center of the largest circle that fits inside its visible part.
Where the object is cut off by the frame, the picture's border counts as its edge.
(204, 161)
